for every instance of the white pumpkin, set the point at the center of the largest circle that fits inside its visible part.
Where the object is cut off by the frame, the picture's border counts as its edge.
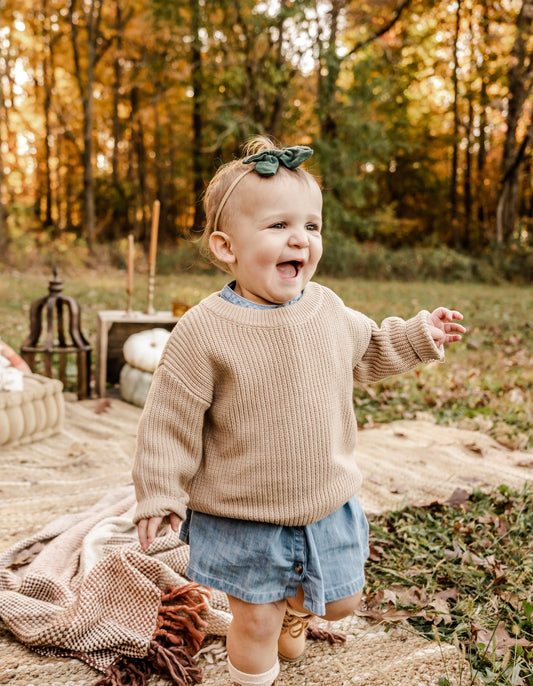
(134, 385)
(143, 350)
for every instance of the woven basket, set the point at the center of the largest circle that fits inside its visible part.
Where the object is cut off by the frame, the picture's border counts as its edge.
(32, 414)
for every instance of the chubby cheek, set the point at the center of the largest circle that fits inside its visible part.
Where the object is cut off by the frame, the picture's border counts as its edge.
(316, 252)
(261, 264)
(265, 255)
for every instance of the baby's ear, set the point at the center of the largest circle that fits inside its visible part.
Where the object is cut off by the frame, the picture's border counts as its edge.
(220, 246)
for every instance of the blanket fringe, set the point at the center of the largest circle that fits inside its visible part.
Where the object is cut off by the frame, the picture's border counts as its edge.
(316, 633)
(124, 673)
(177, 638)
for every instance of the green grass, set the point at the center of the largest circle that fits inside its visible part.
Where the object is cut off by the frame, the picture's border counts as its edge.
(463, 574)
(486, 381)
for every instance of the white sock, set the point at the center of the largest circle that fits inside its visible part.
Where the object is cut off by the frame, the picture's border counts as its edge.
(265, 679)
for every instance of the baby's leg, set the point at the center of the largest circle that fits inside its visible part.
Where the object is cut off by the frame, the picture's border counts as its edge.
(252, 642)
(339, 609)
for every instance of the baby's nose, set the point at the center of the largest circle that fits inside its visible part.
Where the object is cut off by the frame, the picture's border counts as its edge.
(299, 238)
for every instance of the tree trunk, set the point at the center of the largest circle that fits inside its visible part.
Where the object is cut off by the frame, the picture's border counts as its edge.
(520, 82)
(140, 224)
(466, 241)
(85, 78)
(480, 192)
(456, 131)
(529, 201)
(328, 73)
(160, 193)
(49, 223)
(197, 121)
(274, 126)
(117, 82)
(4, 239)
(482, 212)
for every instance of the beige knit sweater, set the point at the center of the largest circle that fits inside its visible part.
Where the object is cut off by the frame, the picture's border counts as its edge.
(250, 413)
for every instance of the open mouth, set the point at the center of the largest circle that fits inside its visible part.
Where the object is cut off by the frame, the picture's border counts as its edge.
(290, 269)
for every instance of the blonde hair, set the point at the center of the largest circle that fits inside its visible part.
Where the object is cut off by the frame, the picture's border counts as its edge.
(221, 187)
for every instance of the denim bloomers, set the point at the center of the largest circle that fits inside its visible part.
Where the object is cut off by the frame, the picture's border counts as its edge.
(259, 562)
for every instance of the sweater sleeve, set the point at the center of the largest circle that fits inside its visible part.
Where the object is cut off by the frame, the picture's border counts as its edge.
(169, 447)
(395, 347)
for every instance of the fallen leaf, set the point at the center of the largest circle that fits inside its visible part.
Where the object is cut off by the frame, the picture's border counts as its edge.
(448, 594)
(498, 639)
(442, 611)
(395, 487)
(76, 449)
(102, 406)
(375, 552)
(458, 497)
(471, 558)
(410, 596)
(381, 597)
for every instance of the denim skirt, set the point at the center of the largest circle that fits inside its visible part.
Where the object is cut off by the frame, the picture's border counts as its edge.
(259, 562)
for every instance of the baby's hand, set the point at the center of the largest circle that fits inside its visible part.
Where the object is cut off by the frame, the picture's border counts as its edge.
(148, 528)
(441, 325)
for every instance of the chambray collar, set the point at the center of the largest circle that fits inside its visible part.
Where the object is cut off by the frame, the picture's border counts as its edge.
(228, 293)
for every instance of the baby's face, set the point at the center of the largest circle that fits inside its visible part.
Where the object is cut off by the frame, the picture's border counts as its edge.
(274, 228)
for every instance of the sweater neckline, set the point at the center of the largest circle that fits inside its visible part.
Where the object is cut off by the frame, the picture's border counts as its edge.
(296, 313)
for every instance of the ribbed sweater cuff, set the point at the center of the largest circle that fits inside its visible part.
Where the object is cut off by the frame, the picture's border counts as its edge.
(158, 507)
(421, 339)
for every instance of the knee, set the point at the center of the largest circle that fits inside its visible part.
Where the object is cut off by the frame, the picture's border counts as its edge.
(260, 623)
(338, 609)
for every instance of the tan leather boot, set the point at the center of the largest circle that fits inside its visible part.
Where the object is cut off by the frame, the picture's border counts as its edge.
(291, 642)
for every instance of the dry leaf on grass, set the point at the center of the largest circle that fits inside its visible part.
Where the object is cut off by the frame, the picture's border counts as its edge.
(497, 640)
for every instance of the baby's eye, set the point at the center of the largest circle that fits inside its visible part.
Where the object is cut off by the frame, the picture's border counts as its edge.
(312, 227)
(278, 225)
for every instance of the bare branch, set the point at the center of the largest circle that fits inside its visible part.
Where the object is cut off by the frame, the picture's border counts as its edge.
(383, 30)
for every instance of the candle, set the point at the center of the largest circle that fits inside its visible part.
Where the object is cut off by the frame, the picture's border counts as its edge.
(130, 263)
(153, 235)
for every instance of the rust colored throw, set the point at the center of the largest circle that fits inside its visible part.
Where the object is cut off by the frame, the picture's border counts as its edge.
(83, 588)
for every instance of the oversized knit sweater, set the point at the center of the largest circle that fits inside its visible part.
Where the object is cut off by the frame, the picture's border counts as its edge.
(250, 413)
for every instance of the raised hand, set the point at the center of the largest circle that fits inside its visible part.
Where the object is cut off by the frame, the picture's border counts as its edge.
(443, 326)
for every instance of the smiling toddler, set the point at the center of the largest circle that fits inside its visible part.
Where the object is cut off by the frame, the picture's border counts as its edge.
(247, 441)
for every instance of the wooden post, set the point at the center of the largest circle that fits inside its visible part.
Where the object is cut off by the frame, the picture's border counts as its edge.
(129, 288)
(152, 257)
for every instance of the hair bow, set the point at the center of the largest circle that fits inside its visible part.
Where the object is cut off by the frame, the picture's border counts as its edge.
(267, 161)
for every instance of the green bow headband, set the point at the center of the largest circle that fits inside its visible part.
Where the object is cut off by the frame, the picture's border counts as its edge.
(266, 164)
(267, 161)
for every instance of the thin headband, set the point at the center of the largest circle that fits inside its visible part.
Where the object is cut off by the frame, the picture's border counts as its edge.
(267, 163)
(226, 195)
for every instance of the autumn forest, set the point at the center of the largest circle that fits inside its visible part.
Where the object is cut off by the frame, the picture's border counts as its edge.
(419, 112)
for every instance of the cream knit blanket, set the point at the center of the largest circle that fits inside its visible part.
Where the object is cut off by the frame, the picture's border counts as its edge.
(82, 587)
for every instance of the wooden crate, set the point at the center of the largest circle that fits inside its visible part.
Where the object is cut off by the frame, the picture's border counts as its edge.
(114, 328)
